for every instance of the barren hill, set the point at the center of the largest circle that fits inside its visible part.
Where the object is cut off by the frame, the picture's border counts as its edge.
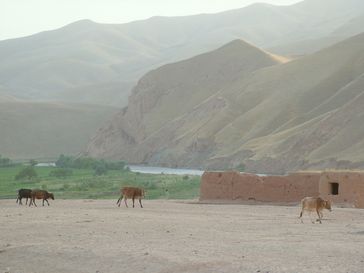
(87, 61)
(274, 117)
(169, 93)
(350, 28)
(46, 130)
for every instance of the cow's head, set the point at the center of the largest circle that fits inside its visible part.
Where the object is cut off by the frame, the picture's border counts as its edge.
(51, 196)
(328, 205)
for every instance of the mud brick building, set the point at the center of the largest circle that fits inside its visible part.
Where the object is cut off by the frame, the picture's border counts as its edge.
(346, 188)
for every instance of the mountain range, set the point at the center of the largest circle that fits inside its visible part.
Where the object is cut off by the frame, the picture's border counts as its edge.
(91, 62)
(241, 102)
(241, 105)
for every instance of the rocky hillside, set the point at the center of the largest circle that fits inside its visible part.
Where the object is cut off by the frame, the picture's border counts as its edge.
(79, 73)
(161, 104)
(242, 105)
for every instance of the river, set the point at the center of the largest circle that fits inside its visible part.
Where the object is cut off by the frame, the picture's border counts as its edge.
(159, 170)
(151, 170)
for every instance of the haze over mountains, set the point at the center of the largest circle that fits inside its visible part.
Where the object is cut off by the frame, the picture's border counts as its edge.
(80, 61)
(44, 130)
(242, 102)
(271, 116)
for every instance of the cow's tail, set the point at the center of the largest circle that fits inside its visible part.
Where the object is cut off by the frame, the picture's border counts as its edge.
(18, 198)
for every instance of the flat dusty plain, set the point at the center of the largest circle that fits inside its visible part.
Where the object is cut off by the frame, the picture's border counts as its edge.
(170, 236)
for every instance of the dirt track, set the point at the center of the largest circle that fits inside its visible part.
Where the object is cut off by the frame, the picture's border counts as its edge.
(96, 236)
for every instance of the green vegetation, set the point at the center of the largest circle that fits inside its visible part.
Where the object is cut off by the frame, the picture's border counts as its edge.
(27, 173)
(100, 169)
(82, 183)
(61, 172)
(241, 167)
(33, 162)
(5, 162)
(88, 163)
(100, 166)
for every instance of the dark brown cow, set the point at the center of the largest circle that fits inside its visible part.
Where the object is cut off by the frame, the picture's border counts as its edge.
(315, 204)
(131, 192)
(40, 194)
(23, 193)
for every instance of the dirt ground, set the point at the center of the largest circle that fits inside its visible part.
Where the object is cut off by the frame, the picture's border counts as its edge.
(169, 236)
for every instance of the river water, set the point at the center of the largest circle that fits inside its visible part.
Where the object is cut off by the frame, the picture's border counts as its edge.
(159, 170)
(151, 170)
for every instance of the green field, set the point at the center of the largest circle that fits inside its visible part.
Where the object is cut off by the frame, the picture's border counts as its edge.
(82, 184)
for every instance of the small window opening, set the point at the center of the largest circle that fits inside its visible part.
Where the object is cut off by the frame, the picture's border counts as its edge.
(334, 188)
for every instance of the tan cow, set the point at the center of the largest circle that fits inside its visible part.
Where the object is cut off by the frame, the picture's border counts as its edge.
(131, 192)
(315, 204)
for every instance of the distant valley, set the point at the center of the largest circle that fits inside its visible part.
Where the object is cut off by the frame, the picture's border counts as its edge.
(274, 88)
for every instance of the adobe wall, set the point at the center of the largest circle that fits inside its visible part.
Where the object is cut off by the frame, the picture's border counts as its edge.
(237, 186)
(350, 190)
(284, 189)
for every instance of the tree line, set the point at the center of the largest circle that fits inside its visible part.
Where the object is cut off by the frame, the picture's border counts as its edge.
(5, 162)
(64, 165)
(100, 166)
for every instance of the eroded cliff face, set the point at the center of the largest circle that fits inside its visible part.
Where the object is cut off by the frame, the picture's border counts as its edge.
(239, 104)
(169, 109)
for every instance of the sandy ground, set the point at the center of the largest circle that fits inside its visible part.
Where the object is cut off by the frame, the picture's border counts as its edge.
(166, 236)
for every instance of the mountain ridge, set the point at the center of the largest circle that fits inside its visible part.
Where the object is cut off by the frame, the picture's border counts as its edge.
(277, 118)
(36, 67)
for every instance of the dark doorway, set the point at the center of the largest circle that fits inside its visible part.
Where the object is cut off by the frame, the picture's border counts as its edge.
(334, 188)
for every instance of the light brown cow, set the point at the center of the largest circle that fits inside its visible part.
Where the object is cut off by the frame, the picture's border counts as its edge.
(40, 194)
(131, 192)
(315, 204)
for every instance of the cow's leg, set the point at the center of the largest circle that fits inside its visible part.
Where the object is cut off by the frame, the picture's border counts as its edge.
(126, 204)
(301, 214)
(31, 201)
(47, 201)
(35, 204)
(133, 200)
(310, 215)
(140, 202)
(119, 201)
(319, 217)
(26, 201)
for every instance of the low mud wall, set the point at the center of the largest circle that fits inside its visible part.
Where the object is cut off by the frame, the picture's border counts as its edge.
(343, 188)
(245, 187)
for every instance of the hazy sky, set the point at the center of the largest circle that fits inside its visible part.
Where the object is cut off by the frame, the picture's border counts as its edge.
(25, 17)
